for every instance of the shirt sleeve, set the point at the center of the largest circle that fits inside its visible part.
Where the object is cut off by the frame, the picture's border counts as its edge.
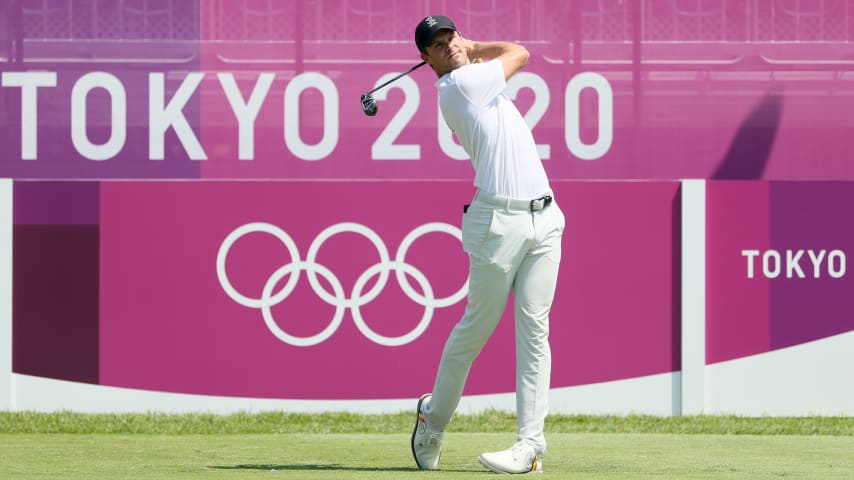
(481, 82)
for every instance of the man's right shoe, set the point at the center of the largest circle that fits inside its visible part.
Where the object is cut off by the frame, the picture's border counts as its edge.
(520, 458)
(426, 445)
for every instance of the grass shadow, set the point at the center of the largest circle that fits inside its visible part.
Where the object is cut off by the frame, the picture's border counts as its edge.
(319, 467)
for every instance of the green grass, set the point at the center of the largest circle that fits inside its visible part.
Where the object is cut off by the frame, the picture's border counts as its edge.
(490, 421)
(345, 446)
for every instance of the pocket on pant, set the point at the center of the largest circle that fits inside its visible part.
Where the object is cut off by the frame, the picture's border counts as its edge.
(507, 238)
(553, 240)
(561, 219)
(476, 224)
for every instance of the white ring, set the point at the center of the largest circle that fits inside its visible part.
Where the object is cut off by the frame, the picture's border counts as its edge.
(293, 270)
(400, 258)
(408, 337)
(337, 298)
(222, 254)
(340, 228)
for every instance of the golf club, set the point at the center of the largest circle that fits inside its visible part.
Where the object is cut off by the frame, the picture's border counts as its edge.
(369, 105)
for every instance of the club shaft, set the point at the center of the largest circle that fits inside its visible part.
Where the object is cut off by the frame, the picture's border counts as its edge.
(395, 78)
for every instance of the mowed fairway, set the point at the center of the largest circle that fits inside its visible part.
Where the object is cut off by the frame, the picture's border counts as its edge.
(26, 454)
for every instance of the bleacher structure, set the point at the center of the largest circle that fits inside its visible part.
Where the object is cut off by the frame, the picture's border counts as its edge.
(559, 23)
(675, 47)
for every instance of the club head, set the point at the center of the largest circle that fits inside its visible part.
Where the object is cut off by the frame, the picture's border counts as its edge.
(369, 105)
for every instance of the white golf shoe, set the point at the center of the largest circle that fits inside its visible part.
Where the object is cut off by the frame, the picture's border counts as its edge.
(520, 458)
(426, 445)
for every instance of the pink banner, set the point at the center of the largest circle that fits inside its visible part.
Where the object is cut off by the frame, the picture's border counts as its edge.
(777, 265)
(340, 289)
(233, 89)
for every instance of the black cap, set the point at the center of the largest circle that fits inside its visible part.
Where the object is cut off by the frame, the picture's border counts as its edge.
(427, 28)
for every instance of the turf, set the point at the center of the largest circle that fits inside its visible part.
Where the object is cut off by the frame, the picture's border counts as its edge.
(338, 446)
(490, 421)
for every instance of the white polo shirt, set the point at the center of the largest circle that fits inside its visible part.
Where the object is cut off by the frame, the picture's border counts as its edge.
(492, 131)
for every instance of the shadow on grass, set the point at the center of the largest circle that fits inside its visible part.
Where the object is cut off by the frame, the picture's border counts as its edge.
(316, 467)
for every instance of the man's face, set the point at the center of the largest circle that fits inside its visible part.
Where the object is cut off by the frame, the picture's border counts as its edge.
(446, 53)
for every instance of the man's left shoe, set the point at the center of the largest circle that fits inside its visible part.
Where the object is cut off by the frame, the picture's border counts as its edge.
(520, 458)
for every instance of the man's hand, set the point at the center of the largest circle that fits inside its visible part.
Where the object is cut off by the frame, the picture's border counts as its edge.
(471, 51)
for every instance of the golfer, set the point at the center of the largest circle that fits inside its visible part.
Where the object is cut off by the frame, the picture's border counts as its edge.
(511, 232)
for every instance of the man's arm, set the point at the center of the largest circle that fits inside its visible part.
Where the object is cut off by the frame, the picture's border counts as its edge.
(512, 55)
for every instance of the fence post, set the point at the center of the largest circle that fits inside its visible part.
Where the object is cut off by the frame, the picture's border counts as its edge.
(693, 296)
(5, 294)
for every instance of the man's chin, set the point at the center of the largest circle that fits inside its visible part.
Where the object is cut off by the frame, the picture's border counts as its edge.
(457, 63)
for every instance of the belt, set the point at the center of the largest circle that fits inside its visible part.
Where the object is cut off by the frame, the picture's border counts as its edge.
(513, 204)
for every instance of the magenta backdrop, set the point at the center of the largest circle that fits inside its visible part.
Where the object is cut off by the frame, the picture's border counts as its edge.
(795, 287)
(166, 322)
(647, 89)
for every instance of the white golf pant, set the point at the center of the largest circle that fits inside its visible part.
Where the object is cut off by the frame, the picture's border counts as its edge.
(513, 248)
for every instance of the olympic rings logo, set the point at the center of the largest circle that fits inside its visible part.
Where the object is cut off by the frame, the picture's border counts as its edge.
(337, 297)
